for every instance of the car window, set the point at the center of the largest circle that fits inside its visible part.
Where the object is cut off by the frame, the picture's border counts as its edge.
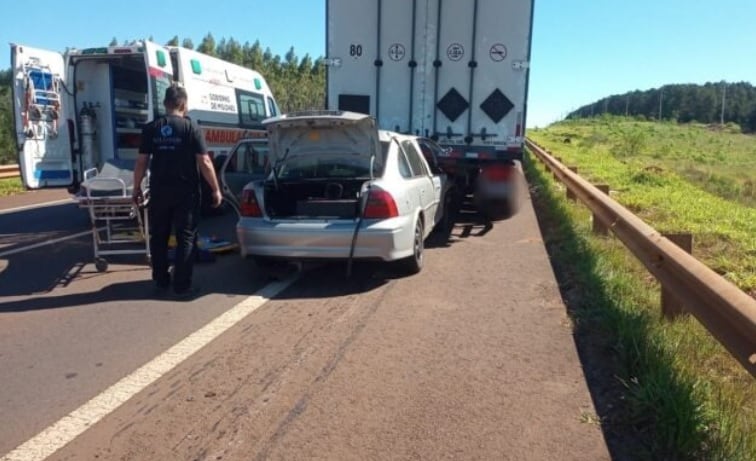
(249, 158)
(251, 108)
(413, 156)
(404, 166)
(431, 156)
(272, 107)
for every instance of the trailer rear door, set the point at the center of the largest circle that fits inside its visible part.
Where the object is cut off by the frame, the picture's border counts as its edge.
(352, 52)
(452, 69)
(396, 55)
(375, 56)
(42, 136)
(483, 49)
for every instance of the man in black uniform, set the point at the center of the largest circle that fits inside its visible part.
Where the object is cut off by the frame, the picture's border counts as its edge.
(176, 152)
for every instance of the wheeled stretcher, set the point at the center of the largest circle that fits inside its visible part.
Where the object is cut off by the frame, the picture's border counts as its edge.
(119, 226)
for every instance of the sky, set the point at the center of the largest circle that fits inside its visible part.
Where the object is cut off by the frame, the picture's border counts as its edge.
(582, 50)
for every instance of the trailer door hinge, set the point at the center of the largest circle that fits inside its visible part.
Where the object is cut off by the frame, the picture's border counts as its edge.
(520, 65)
(332, 62)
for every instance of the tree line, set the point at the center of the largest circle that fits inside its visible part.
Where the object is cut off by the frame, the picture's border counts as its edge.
(297, 83)
(710, 103)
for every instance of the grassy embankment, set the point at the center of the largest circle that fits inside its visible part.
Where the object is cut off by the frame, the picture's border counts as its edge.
(681, 392)
(10, 186)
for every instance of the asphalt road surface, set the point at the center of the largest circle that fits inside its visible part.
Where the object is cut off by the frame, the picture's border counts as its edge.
(473, 358)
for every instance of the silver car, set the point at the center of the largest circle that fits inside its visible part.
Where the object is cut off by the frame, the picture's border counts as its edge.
(339, 188)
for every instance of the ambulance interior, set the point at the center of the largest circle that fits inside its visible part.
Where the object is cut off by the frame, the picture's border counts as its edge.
(112, 105)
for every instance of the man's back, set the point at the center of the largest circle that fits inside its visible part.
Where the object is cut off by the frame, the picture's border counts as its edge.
(173, 142)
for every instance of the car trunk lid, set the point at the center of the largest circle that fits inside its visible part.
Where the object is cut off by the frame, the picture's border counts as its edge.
(323, 133)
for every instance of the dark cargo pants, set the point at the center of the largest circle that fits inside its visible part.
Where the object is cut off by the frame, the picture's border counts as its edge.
(173, 209)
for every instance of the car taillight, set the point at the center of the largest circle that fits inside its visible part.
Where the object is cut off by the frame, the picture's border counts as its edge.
(249, 206)
(380, 205)
(498, 172)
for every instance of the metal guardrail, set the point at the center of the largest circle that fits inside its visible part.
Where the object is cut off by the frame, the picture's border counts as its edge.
(727, 312)
(9, 171)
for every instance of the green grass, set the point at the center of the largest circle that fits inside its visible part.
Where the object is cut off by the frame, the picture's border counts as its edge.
(677, 179)
(680, 393)
(10, 186)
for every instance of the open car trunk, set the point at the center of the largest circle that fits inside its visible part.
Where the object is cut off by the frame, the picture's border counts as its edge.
(321, 161)
(317, 198)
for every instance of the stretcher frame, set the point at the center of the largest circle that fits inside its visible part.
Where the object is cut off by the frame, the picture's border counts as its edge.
(114, 215)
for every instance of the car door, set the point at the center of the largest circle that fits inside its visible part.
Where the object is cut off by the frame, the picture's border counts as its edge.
(429, 193)
(441, 184)
(247, 162)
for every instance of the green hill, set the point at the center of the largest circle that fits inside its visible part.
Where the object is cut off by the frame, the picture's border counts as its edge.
(720, 102)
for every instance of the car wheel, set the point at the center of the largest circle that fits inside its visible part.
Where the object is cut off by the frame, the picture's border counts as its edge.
(414, 264)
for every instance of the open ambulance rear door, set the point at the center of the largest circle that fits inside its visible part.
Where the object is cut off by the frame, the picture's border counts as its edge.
(160, 72)
(45, 154)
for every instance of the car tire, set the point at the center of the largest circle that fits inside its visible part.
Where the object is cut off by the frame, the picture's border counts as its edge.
(414, 264)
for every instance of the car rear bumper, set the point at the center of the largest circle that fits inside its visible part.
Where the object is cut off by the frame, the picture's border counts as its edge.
(386, 240)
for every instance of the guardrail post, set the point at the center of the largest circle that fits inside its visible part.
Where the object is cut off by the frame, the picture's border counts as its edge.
(553, 172)
(598, 227)
(670, 304)
(571, 195)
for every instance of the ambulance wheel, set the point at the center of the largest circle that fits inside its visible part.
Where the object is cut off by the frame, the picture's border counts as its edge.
(101, 265)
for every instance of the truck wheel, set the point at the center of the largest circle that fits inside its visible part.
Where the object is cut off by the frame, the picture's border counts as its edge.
(414, 264)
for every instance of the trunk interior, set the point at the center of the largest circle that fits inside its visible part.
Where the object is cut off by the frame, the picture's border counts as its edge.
(314, 198)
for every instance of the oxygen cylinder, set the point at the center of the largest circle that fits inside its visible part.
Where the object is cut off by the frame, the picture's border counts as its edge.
(88, 132)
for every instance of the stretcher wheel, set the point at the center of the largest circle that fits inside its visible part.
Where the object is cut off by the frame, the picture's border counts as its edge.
(101, 265)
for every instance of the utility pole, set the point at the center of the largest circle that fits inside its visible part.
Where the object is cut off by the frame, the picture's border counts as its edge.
(724, 95)
(661, 98)
(627, 105)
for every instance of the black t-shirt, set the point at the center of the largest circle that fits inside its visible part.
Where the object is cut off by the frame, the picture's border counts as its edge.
(173, 142)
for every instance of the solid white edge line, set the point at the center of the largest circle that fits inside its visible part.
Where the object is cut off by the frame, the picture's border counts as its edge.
(75, 423)
(36, 205)
(3, 254)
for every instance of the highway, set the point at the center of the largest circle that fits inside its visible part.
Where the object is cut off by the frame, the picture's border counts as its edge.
(473, 358)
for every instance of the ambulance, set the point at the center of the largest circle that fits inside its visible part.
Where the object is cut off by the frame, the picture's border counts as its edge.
(76, 111)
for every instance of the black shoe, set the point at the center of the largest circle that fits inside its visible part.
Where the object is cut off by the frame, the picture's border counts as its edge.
(187, 293)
